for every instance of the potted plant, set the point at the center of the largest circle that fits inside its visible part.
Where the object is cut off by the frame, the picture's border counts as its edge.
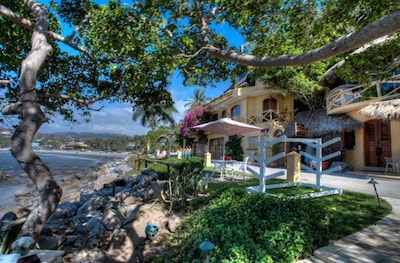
(234, 148)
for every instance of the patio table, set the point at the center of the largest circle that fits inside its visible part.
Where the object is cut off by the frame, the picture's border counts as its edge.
(222, 165)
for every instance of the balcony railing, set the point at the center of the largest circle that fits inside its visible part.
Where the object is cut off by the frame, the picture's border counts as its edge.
(269, 116)
(219, 101)
(351, 96)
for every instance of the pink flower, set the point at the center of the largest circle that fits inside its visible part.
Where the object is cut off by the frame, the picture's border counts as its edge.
(196, 116)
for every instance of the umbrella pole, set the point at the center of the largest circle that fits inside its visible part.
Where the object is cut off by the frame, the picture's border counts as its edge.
(223, 148)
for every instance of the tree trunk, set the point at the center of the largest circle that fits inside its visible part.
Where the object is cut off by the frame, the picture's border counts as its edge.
(32, 118)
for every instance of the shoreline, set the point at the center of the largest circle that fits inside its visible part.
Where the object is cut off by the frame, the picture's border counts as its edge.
(74, 152)
(8, 187)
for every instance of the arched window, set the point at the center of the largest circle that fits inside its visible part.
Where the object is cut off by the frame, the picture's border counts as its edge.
(270, 107)
(235, 113)
(223, 114)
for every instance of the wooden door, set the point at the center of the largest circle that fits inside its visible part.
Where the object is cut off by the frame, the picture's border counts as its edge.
(377, 142)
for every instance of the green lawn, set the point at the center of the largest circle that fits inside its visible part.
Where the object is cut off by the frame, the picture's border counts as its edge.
(259, 228)
(252, 227)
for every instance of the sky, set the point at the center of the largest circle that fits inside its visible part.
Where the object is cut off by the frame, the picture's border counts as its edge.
(117, 118)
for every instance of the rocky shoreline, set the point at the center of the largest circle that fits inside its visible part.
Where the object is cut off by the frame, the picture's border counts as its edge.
(103, 215)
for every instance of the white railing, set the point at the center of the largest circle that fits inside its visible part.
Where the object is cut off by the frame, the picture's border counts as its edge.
(265, 174)
(351, 93)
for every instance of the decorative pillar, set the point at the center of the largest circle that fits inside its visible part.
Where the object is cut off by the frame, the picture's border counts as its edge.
(293, 166)
(207, 159)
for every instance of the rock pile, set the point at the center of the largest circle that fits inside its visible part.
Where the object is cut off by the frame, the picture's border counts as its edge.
(107, 222)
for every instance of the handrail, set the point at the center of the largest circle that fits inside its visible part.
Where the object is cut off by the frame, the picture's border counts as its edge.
(352, 93)
(268, 116)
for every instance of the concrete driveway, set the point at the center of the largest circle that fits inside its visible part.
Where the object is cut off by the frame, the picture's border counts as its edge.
(388, 186)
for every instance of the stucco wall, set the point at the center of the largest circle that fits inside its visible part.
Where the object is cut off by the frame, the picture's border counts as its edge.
(356, 157)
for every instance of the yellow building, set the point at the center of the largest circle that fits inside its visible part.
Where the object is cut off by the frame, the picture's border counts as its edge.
(271, 110)
(378, 138)
(254, 104)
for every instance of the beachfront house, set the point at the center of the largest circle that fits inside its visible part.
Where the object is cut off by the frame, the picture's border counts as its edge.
(376, 140)
(251, 102)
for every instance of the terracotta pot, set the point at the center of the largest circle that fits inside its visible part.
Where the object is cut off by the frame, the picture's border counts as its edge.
(325, 165)
(274, 164)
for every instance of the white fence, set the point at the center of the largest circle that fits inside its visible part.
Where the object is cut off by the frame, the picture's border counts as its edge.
(264, 160)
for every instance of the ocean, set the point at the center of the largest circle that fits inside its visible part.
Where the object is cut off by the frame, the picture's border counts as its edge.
(57, 162)
(60, 164)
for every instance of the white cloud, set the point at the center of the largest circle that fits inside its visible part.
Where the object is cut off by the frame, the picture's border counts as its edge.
(115, 118)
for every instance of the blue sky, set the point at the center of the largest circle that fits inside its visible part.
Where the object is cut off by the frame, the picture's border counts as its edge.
(117, 118)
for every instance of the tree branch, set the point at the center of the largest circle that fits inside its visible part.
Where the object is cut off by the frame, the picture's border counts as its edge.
(74, 99)
(26, 23)
(10, 15)
(387, 25)
(204, 28)
(12, 109)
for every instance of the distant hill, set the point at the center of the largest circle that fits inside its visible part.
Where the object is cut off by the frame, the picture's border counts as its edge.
(77, 135)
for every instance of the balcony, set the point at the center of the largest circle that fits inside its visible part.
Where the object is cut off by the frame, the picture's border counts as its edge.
(350, 97)
(268, 116)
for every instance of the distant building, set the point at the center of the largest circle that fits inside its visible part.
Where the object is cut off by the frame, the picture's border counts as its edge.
(35, 145)
(74, 145)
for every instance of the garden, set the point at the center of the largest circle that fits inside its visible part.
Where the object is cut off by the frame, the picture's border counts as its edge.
(244, 227)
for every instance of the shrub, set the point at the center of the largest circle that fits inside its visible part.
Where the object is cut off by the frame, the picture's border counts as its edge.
(258, 228)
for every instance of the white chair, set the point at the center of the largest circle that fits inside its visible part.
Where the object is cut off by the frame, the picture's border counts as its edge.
(392, 164)
(218, 164)
(238, 167)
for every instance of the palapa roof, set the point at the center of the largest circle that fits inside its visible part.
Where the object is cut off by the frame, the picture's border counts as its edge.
(318, 122)
(388, 109)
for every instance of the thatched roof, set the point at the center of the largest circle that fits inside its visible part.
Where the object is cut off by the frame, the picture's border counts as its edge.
(389, 109)
(317, 123)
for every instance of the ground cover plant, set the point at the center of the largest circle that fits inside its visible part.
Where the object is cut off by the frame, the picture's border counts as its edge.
(254, 227)
(259, 228)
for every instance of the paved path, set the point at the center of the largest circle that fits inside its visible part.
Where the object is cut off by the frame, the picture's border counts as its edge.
(379, 243)
(388, 186)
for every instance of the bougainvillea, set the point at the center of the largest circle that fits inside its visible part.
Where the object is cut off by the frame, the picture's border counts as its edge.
(195, 116)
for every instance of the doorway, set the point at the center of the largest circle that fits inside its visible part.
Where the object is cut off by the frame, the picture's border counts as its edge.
(377, 142)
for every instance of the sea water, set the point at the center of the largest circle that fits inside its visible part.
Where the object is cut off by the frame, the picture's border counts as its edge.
(55, 161)
(60, 165)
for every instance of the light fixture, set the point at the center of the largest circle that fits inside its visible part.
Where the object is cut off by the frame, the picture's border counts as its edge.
(374, 183)
(206, 246)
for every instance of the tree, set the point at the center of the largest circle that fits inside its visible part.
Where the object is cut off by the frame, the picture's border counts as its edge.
(154, 113)
(199, 98)
(126, 53)
(302, 39)
(116, 54)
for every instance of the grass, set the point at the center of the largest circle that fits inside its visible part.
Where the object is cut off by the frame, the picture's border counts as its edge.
(259, 228)
(355, 211)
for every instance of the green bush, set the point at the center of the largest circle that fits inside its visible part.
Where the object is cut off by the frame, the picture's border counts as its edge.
(162, 170)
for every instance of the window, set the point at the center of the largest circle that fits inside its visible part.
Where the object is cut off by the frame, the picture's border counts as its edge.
(223, 114)
(235, 113)
(270, 107)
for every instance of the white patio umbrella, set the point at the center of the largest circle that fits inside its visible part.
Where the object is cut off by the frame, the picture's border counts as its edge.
(226, 126)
